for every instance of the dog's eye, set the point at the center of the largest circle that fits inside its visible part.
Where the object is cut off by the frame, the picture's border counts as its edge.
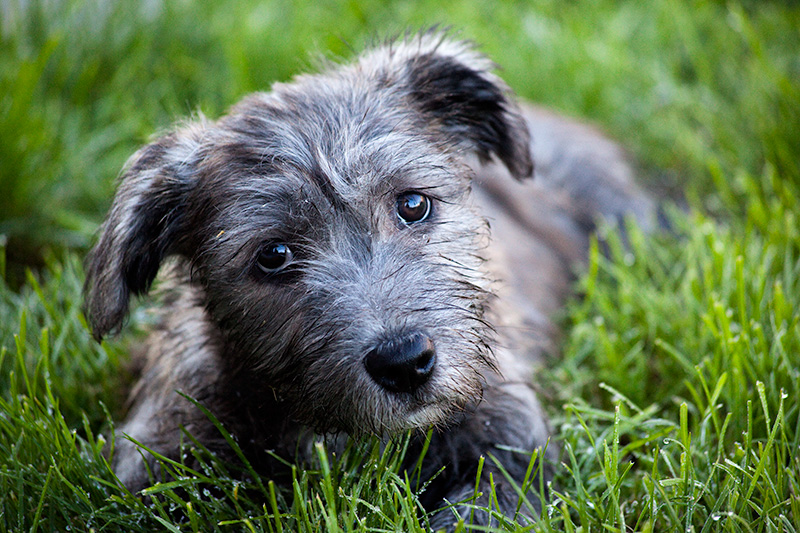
(413, 207)
(274, 258)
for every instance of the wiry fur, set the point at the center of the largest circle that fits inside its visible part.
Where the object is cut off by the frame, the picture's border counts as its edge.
(318, 164)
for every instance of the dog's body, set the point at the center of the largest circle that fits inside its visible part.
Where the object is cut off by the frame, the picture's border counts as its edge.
(335, 271)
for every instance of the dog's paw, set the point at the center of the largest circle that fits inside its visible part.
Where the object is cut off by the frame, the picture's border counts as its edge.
(490, 506)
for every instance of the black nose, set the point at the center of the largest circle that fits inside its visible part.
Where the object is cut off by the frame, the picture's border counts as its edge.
(402, 364)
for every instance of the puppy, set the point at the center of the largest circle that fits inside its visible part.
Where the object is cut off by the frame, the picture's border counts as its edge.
(360, 251)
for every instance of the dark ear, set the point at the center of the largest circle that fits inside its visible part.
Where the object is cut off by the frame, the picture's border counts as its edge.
(454, 87)
(144, 225)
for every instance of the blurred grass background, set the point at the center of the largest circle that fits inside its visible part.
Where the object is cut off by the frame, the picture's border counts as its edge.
(677, 401)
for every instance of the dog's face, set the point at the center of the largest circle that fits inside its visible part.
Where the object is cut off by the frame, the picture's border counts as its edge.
(329, 226)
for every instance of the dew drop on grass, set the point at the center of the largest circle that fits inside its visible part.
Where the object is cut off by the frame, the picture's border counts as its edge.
(629, 259)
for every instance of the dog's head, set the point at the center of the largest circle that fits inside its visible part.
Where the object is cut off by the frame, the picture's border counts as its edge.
(328, 226)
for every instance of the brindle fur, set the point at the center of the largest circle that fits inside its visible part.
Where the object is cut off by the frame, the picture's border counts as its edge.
(318, 164)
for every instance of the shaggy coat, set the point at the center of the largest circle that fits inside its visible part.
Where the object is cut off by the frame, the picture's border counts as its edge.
(359, 251)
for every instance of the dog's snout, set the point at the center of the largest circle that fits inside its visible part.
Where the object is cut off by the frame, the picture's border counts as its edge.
(402, 364)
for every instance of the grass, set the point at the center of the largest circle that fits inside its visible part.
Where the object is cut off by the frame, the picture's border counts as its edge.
(676, 400)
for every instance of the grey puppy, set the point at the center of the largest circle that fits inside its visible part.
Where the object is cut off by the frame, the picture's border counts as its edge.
(354, 253)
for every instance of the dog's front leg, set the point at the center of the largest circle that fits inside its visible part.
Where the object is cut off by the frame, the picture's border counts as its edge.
(506, 429)
(177, 361)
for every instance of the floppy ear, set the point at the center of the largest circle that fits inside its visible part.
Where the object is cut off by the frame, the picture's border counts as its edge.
(144, 225)
(455, 88)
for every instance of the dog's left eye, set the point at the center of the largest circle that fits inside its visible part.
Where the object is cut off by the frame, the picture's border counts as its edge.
(274, 258)
(413, 207)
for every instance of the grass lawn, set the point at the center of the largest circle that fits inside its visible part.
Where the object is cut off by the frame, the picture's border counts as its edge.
(677, 399)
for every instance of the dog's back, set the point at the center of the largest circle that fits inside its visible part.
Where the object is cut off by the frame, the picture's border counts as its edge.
(541, 229)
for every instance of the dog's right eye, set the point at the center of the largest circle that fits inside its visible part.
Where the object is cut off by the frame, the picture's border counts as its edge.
(274, 258)
(413, 207)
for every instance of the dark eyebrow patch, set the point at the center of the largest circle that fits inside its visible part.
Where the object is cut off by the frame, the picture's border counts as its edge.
(325, 186)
